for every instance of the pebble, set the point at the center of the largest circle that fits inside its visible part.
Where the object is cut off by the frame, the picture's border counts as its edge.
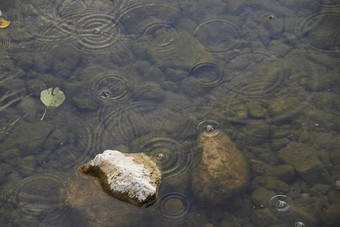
(337, 185)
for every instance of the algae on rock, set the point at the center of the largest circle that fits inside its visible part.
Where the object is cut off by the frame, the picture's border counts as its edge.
(183, 51)
(222, 172)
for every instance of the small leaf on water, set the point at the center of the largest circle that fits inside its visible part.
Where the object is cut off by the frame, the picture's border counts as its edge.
(4, 23)
(52, 98)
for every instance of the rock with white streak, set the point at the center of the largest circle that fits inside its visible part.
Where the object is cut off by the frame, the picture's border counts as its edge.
(130, 177)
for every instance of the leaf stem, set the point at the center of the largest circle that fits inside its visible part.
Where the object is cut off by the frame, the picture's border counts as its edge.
(43, 115)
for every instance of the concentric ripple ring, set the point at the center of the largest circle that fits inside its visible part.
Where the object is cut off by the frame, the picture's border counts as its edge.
(175, 207)
(174, 160)
(218, 35)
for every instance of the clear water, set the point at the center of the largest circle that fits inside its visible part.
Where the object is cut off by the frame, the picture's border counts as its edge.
(149, 76)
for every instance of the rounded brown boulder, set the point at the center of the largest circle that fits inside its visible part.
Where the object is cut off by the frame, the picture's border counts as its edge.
(222, 171)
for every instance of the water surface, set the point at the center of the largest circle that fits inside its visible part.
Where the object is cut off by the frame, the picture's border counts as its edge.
(150, 76)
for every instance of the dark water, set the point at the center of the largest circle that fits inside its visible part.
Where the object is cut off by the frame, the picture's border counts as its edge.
(149, 76)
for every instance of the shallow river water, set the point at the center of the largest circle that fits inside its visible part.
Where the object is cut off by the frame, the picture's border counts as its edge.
(151, 76)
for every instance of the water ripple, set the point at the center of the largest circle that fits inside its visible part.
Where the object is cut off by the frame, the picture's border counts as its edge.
(218, 35)
(96, 32)
(281, 204)
(208, 127)
(320, 31)
(175, 160)
(5, 44)
(153, 24)
(175, 207)
(112, 87)
(207, 74)
(263, 88)
(247, 74)
(36, 199)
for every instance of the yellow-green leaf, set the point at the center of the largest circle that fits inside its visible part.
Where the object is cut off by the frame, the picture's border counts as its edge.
(52, 97)
(4, 23)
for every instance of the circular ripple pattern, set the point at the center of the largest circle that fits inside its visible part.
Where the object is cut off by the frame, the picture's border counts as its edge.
(327, 3)
(96, 32)
(5, 45)
(33, 21)
(110, 87)
(248, 75)
(281, 203)
(207, 74)
(153, 24)
(262, 88)
(37, 198)
(152, 35)
(175, 207)
(208, 127)
(218, 35)
(119, 122)
(174, 159)
(321, 31)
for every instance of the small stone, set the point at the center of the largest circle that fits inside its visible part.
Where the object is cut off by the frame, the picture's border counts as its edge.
(133, 178)
(257, 167)
(337, 184)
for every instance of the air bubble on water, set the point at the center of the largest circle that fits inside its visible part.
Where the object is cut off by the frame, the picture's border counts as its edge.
(209, 128)
(160, 156)
(299, 224)
(96, 31)
(281, 204)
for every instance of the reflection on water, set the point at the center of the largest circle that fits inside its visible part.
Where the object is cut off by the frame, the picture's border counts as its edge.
(151, 76)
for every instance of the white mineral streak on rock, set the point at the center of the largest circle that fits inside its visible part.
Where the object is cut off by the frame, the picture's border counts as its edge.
(129, 177)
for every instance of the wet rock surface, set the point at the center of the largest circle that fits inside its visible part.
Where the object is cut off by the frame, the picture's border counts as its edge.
(87, 198)
(306, 162)
(132, 178)
(222, 171)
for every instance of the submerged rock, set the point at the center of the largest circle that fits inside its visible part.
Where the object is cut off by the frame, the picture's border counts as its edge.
(304, 159)
(133, 178)
(222, 171)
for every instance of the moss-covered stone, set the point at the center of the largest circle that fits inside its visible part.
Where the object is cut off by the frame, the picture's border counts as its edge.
(35, 86)
(176, 74)
(261, 196)
(270, 183)
(306, 162)
(9, 154)
(257, 167)
(28, 137)
(85, 104)
(264, 217)
(192, 88)
(256, 110)
(55, 139)
(331, 216)
(283, 172)
(31, 108)
(184, 51)
(320, 189)
(279, 106)
(27, 164)
(148, 91)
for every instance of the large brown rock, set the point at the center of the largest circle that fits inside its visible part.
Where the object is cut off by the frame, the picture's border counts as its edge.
(222, 171)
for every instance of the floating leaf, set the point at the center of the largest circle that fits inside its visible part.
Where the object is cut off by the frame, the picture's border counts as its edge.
(4, 23)
(52, 98)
